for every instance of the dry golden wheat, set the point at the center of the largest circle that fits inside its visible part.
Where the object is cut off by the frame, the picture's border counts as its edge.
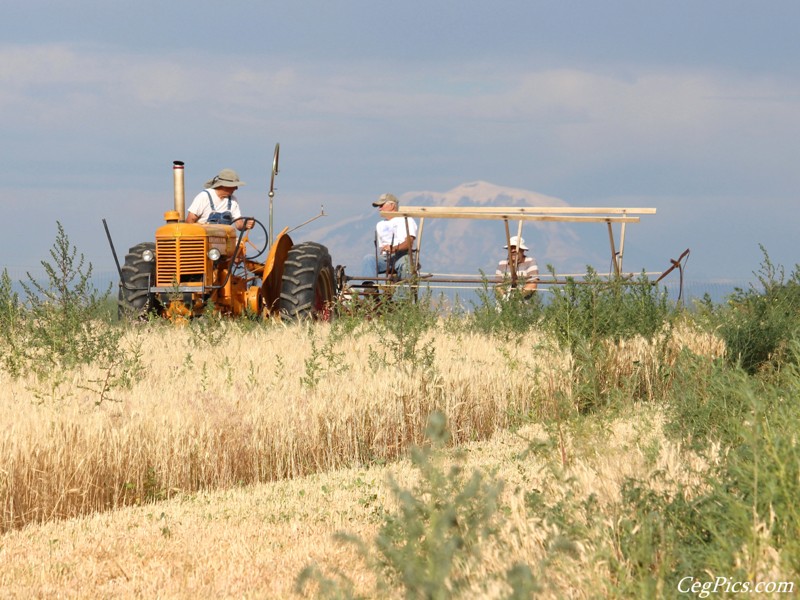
(252, 542)
(237, 412)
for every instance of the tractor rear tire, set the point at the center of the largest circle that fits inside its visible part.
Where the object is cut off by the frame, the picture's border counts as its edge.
(307, 289)
(137, 303)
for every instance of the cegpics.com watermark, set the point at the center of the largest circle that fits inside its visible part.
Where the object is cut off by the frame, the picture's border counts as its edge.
(728, 585)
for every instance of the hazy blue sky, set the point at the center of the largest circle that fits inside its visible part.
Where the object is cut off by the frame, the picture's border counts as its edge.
(689, 106)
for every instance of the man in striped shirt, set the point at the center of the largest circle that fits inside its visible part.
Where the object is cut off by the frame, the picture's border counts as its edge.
(526, 268)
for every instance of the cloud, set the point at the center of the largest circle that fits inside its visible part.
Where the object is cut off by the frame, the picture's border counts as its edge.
(579, 109)
(446, 121)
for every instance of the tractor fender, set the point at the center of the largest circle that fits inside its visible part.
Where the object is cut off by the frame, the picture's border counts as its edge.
(272, 277)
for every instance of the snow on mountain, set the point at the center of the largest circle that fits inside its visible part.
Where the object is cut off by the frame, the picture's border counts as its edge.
(480, 193)
(468, 246)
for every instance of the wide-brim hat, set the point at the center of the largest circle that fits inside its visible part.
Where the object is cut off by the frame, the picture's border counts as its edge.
(386, 198)
(517, 242)
(225, 178)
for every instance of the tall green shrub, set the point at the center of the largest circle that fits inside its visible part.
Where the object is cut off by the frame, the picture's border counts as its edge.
(595, 308)
(505, 313)
(757, 322)
(60, 311)
(60, 325)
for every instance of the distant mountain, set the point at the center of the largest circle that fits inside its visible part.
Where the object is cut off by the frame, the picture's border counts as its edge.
(467, 246)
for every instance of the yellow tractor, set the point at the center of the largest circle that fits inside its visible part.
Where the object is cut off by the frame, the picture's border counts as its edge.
(191, 267)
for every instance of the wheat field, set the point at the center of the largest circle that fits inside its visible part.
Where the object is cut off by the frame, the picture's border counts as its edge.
(231, 461)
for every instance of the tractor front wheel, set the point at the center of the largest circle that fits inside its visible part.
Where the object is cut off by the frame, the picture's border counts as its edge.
(307, 289)
(135, 299)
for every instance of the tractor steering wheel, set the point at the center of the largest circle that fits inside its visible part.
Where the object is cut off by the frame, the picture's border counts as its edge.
(255, 238)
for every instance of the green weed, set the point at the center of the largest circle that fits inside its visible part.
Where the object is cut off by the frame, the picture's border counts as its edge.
(596, 309)
(323, 361)
(757, 323)
(60, 325)
(513, 312)
(435, 536)
(403, 330)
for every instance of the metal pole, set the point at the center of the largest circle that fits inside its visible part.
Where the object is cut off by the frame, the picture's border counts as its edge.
(113, 250)
(419, 245)
(621, 242)
(275, 157)
(377, 270)
(519, 237)
(613, 249)
(513, 272)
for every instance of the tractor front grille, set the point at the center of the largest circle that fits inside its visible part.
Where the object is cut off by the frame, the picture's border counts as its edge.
(180, 261)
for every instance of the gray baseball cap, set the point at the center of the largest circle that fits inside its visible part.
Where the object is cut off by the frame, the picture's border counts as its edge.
(386, 198)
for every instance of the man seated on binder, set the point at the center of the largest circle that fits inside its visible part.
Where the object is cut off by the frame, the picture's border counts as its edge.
(394, 238)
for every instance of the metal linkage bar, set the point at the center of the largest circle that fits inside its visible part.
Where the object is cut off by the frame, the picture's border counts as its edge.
(512, 212)
(415, 212)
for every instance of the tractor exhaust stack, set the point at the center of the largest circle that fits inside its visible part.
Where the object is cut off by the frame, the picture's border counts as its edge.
(180, 197)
